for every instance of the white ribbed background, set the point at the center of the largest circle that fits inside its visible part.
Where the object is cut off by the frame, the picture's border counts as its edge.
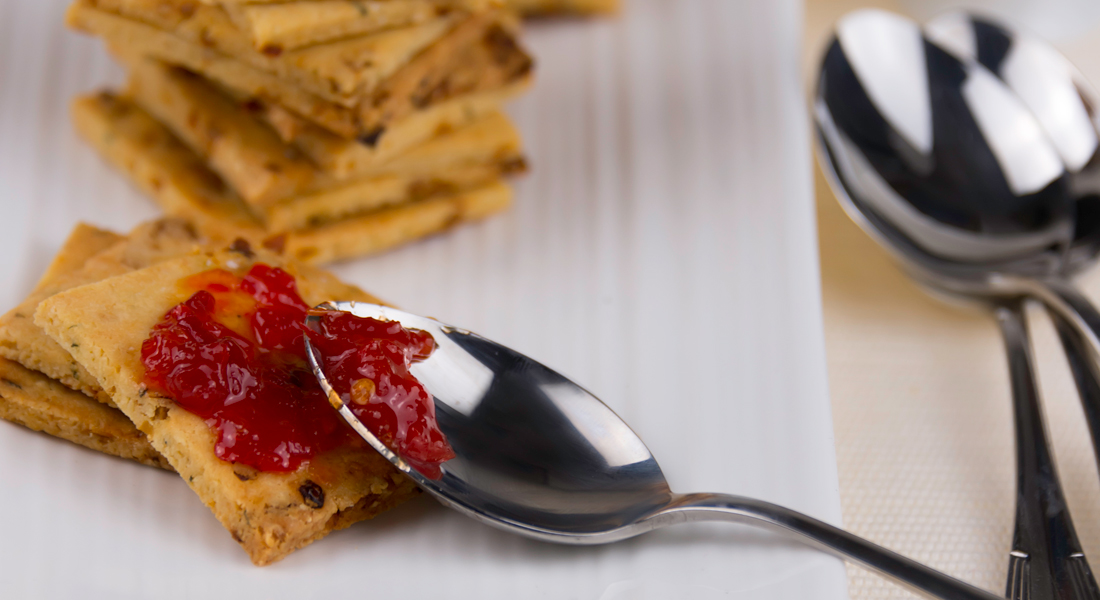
(662, 252)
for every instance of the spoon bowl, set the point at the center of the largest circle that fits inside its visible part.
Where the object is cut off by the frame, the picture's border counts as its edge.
(540, 456)
(932, 171)
(558, 463)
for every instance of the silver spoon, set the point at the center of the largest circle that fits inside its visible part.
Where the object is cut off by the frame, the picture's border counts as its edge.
(1065, 105)
(540, 456)
(948, 169)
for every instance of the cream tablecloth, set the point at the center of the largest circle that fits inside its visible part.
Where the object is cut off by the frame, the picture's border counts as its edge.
(921, 399)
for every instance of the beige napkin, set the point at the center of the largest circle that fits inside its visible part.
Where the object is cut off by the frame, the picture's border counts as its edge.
(921, 401)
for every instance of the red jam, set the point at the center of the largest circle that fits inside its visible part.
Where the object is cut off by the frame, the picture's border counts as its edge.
(233, 354)
(368, 361)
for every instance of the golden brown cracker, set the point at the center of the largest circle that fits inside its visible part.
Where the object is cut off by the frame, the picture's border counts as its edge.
(464, 158)
(84, 241)
(560, 7)
(24, 342)
(245, 152)
(161, 166)
(451, 69)
(267, 512)
(293, 25)
(348, 159)
(387, 228)
(340, 71)
(479, 55)
(31, 399)
(188, 197)
(37, 402)
(428, 205)
(349, 201)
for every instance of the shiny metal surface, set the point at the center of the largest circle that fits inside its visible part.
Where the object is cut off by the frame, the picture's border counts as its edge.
(1062, 100)
(1065, 104)
(968, 189)
(1046, 559)
(540, 456)
(1086, 375)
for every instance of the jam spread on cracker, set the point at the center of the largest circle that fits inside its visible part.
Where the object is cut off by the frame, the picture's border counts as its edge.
(233, 353)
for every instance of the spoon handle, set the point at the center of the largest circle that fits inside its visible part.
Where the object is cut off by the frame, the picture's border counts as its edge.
(749, 511)
(1078, 324)
(1046, 561)
(1086, 374)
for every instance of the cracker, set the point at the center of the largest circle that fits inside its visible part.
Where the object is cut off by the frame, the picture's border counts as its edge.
(24, 342)
(105, 324)
(245, 152)
(84, 241)
(383, 109)
(294, 25)
(131, 130)
(132, 38)
(339, 72)
(480, 54)
(31, 399)
(372, 194)
(347, 159)
(158, 164)
(530, 7)
(387, 228)
(557, 7)
(287, 190)
(264, 170)
(37, 402)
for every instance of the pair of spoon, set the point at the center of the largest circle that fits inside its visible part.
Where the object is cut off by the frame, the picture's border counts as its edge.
(540, 456)
(971, 153)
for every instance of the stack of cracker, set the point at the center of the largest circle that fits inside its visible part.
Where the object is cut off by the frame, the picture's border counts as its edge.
(324, 129)
(70, 366)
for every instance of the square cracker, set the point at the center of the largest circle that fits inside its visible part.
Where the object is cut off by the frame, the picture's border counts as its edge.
(37, 402)
(458, 65)
(161, 166)
(480, 54)
(134, 38)
(529, 7)
(124, 134)
(270, 514)
(84, 241)
(266, 172)
(246, 153)
(24, 342)
(31, 399)
(342, 158)
(340, 71)
(390, 227)
(557, 7)
(292, 25)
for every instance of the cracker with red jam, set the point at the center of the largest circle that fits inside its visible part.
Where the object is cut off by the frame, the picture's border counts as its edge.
(272, 497)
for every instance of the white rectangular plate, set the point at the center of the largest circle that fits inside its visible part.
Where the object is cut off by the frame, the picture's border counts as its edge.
(662, 252)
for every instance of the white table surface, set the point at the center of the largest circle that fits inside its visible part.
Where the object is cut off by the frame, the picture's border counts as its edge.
(662, 252)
